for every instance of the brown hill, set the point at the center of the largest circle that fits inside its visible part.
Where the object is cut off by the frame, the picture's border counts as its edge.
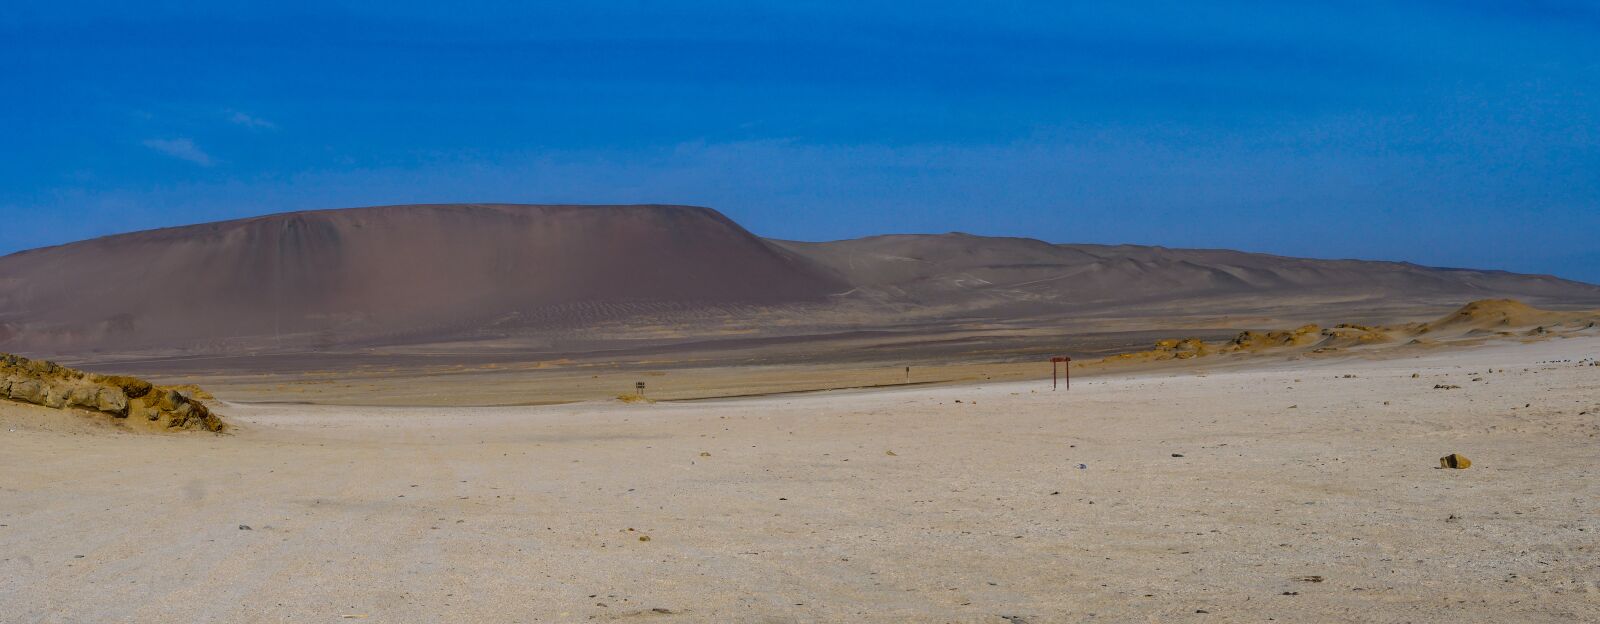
(386, 274)
(1008, 277)
(579, 279)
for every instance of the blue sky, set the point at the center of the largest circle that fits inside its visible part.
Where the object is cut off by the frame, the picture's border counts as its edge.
(1447, 133)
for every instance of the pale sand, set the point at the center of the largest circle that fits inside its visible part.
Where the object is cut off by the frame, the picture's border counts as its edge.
(524, 514)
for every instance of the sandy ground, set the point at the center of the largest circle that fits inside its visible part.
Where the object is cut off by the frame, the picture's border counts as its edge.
(954, 503)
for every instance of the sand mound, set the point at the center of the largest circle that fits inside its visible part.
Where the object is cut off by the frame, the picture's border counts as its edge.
(1345, 335)
(1168, 349)
(1502, 316)
(1255, 341)
(135, 401)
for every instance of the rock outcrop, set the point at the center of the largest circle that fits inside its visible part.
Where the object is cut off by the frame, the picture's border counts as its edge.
(1255, 340)
(136, 400)
(1475, 320)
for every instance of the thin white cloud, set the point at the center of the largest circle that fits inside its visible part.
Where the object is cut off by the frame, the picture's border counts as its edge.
(182, 149)
(250, 121)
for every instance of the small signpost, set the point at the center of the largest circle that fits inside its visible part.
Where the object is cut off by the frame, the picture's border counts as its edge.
(638, 388)
(1066, 370)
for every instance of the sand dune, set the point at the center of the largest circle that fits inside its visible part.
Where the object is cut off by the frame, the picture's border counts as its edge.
(397, 273)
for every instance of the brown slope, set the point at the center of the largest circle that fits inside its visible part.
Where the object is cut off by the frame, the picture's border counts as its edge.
(412, 273)
(1007, 276)
(1505, 315)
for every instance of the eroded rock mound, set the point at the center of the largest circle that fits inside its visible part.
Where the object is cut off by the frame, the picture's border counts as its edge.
(1255, 340)
(1503, 315)
(1476, 320)
(52, 385)
(1169, 349)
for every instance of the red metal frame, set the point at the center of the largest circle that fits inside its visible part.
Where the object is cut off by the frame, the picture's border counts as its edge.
(1066, 370)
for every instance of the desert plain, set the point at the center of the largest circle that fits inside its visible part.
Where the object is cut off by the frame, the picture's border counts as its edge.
(1291, 489)
(433, 413)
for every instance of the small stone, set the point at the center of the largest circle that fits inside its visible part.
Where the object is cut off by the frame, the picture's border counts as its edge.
(245, 527)
(644, 538)
(1177, 454)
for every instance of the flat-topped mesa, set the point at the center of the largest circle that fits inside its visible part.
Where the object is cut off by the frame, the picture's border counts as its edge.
(133, 400)
(392, 274)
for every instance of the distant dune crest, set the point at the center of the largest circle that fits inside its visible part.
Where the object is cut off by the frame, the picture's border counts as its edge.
(418, 274)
